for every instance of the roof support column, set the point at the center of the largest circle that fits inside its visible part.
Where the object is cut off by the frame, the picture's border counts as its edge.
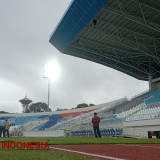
(150, 82)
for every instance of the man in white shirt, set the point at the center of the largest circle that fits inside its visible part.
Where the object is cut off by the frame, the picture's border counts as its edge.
(2, 127)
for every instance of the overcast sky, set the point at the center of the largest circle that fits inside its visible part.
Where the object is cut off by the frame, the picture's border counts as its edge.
(25, 28)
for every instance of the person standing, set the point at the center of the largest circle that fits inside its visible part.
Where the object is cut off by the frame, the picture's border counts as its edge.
(7, 126)
(2, 127)
(96, 120)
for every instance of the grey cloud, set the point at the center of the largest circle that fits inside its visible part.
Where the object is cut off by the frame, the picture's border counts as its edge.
(24, 48)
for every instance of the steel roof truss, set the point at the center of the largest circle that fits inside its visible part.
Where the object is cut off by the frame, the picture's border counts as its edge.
(141, 20)
(113, 59)
(127, 43)
(121, 58)
(114, 64)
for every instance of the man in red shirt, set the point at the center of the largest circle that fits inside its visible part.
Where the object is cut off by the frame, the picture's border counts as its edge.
(95, 121)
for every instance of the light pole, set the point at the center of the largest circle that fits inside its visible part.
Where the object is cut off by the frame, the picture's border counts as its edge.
(48, 92)
(48, 98)
(51, 72)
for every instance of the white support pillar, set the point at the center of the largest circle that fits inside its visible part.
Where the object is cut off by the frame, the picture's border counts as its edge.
(150, 82)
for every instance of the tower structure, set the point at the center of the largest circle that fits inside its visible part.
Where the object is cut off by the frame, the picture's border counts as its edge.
(25, 102)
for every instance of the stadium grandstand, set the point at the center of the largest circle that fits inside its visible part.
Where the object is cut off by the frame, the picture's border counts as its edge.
(119, 118)
(124, 35)
(121, 34)
(53, 124)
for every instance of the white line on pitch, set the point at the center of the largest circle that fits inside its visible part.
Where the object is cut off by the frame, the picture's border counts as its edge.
(133, 145)
(87, 154)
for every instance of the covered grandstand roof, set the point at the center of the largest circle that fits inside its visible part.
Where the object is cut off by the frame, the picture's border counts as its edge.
(121, 34)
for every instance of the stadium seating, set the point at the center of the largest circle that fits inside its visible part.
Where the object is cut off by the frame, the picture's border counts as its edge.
(104, 132)
(131, 111)
(147, 113)
(78, 123)
(151, 98)
(21, 120)
(53, 119)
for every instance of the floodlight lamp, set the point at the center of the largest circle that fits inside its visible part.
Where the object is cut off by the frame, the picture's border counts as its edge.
(51, 70)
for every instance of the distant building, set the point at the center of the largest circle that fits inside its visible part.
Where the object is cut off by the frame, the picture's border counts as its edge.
(25, 102)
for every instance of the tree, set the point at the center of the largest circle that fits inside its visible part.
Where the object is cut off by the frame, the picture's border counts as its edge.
(3, 112)
(58, 109)
(83, 105)
(39, 107)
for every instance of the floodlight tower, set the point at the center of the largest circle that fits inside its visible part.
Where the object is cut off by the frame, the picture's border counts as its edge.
(51, 72)
(48, 90)
(25, 102)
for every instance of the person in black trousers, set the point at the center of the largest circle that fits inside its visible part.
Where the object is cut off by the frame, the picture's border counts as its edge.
(2, 127)
(96, 120)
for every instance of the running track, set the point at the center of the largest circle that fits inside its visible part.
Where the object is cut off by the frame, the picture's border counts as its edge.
(115, 151)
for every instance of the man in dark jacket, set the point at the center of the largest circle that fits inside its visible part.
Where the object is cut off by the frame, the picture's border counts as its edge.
(95, 121)
(2, 127)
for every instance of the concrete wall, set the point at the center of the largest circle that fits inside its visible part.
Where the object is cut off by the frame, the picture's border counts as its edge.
(141, 128)
(57, 133)
(154, 84)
